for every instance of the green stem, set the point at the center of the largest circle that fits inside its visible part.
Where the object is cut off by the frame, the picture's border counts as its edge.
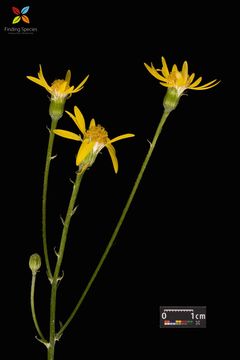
(33, 308)
(121, 219)
(44, 196)
(70, 211)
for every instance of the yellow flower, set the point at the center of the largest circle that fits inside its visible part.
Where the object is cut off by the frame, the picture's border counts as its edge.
(92, 140)
(180, 80)
(59, 89)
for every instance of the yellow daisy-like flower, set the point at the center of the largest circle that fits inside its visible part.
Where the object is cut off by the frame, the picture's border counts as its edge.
(180, 80)
(92, 140)
(59, 89)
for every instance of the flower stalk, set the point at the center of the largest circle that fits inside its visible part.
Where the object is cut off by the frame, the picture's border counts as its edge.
(35, 264)
(53, 337)
(44, 197)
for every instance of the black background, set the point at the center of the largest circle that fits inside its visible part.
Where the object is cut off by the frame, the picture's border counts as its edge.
(174, 245)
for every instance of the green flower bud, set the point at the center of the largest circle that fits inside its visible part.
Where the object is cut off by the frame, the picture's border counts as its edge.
(35, 263)
(171, 99)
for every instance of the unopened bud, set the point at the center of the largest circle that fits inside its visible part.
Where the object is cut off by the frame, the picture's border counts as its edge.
(35, 263)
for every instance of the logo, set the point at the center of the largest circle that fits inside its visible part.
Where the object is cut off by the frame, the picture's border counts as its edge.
(20, 22)
(21, 15)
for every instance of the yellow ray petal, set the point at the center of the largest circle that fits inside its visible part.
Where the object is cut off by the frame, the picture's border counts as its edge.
(195, 83)
(41, 77)
(79, 87)
(185, 71)
(92, 124)
(166, 84)
(40, 73)
(206, 86)
(209, 84)
(120, 137)
(67, 134)
(84, 150)
(112, 153)
(69, 91)
(190, 79)
(80, 121)
(165, 71)
(154, 72)
(73, 118)
(36, 80)
(175, 68)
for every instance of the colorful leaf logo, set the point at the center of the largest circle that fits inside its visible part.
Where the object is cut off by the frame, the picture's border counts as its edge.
(20, 14)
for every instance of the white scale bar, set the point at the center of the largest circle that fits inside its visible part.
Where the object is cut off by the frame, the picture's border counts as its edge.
(191, 310)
